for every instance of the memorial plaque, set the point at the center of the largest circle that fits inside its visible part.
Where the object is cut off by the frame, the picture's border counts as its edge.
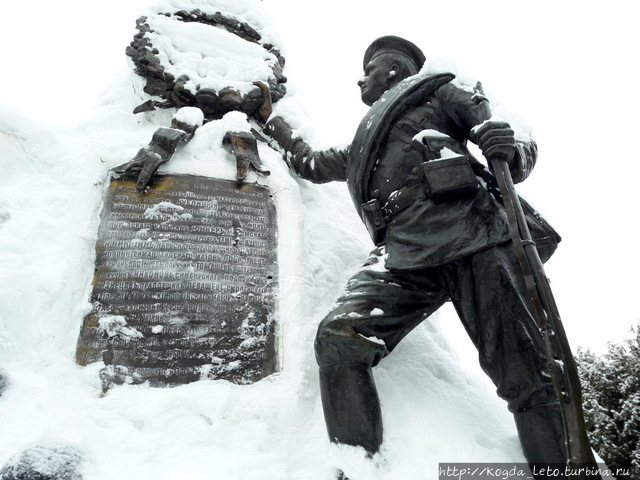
(185, 283)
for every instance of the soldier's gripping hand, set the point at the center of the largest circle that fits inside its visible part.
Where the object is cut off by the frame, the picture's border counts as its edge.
(265, 110)
(497, 141)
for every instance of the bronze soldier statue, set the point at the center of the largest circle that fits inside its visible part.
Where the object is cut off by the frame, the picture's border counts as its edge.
(441, 234)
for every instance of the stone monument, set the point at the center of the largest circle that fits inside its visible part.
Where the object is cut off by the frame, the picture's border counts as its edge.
(186, 270)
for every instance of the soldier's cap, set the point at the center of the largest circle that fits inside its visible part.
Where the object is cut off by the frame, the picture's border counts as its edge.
(396, 45)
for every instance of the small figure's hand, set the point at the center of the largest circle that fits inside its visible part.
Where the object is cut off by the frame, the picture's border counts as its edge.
(496, 140)
(144, 164)
(159, 151)
(265, 110)
(243, 146)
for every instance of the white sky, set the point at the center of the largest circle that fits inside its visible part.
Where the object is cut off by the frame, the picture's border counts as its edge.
(569, 68)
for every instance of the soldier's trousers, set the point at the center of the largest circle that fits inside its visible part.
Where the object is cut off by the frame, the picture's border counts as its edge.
(379, 307)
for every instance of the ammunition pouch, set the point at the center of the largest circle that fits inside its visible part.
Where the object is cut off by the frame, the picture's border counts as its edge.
(373, 211)
(449, 178)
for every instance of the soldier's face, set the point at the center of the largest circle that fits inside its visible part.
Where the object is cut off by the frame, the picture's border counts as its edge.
(375, 80)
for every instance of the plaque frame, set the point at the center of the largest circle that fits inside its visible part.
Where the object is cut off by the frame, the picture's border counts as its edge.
(185, 283)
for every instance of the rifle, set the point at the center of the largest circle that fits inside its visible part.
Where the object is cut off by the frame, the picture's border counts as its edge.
(560, 362)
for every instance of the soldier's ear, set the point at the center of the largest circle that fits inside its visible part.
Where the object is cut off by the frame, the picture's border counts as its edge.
(393, 71)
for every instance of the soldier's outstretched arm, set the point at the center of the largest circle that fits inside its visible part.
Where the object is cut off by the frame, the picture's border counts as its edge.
(315, 166)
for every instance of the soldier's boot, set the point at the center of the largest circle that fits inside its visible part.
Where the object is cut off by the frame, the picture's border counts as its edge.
(542, 437)
(351, 406)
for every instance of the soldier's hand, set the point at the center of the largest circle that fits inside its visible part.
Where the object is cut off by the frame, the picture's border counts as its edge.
(496, 139)
(265, 110)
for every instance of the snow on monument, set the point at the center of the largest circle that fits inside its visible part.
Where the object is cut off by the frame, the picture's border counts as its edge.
(55, 184)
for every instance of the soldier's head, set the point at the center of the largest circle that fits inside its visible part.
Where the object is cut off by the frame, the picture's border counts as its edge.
(387, 61)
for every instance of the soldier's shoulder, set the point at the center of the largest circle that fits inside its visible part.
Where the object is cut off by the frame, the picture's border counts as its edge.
(455, 88)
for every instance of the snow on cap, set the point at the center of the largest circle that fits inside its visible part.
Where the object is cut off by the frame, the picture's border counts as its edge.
(396, 45)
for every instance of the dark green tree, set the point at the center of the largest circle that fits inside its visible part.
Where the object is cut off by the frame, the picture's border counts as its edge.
(611, 399)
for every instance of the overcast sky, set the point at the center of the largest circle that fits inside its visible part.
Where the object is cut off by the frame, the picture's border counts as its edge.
(569, 68)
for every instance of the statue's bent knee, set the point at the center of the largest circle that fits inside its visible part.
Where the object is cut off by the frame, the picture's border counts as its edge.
(338, 343)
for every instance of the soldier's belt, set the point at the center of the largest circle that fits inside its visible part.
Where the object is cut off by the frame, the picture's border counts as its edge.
(442, 180)
(380, 215)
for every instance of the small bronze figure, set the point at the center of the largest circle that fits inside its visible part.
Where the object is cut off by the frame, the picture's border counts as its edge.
(437, 218)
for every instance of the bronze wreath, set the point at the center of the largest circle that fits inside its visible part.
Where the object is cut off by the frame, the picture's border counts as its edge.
(214, 104)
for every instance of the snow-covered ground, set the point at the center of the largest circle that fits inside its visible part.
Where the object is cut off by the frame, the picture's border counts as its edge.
(51, 191)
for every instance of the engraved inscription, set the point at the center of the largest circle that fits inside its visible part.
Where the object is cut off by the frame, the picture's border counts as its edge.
(185, 283)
